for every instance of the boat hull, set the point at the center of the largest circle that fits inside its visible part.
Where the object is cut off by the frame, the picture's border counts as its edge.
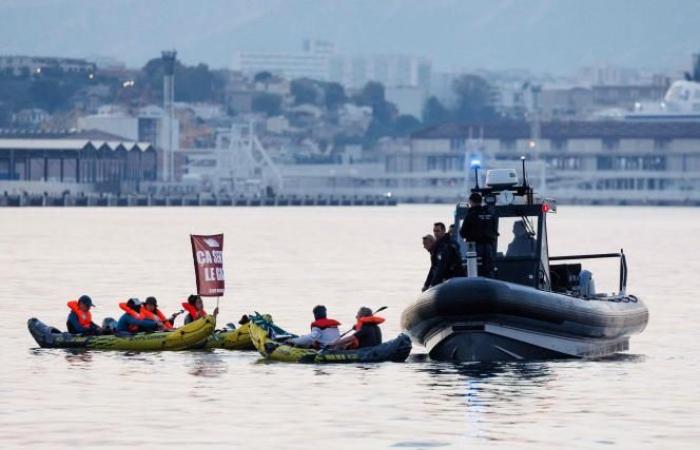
(480, 319)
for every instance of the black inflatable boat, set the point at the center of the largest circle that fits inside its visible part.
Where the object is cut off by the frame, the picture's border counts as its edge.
(530, 309)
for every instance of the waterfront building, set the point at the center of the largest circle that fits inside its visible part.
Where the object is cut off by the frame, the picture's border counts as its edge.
(596, 161)
(85, 161)
(149, 125)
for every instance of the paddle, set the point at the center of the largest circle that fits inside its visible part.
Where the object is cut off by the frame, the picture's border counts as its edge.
(326, 347)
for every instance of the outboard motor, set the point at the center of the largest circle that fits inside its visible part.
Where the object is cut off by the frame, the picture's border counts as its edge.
(109, 325)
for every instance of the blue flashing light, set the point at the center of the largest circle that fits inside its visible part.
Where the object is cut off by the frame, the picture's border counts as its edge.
(475, 163)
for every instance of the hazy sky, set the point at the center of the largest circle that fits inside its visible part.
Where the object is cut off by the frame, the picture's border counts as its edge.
(540, 35)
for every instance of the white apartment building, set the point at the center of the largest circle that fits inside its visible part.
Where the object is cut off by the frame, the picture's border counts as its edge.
(312, 62)
(318, 61)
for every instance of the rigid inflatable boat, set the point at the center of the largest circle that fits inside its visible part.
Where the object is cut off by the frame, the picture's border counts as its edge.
(530, 309)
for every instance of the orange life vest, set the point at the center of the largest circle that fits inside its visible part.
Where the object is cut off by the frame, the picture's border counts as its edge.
(84, 317)
(325, 323)
(132, 313)
(368, 319)
(194, 314)
(146, 314)
(355, 343)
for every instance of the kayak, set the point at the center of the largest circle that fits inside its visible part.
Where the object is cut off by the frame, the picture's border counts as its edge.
(182, 338)
(239, 338)
(396, 350)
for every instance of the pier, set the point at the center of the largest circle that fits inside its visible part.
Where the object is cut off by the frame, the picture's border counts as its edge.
(116, 200)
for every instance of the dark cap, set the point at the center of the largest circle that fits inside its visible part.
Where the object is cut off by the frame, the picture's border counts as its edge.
(134, 302)
(475, 197)
(86, 299)
(151, 301)
(192, 299)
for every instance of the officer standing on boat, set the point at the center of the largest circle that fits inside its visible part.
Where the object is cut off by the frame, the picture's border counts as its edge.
(480, 227)
(448, 262)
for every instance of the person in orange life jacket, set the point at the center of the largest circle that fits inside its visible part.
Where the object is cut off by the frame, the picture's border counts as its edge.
(132, 321)
(195, 309)
(150, 311)
(80, 320)
(324, 331)
(367, 331)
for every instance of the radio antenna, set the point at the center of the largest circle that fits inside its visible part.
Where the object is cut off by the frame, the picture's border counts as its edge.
(522, 159)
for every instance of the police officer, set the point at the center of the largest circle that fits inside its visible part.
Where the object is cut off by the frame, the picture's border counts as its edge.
(429, 246)
(448, 263)
(480, 227)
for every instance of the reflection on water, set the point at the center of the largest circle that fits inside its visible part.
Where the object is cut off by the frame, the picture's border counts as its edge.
(207, 364)
(227, 399)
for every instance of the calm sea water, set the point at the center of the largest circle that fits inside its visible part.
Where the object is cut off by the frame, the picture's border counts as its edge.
(286, 260)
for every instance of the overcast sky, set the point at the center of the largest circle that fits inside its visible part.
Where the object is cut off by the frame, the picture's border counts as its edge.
(539, 35)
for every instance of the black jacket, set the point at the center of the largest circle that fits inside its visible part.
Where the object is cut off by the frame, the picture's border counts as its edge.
(448, 261)
(479, 226)
(433, 264)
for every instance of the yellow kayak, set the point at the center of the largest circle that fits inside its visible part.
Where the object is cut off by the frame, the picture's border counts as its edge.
(396, 350)
(187, 336)
(239, 338)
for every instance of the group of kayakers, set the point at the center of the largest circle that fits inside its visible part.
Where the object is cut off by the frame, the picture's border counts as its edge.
(147, 317)
(137, 317)
(325, 332)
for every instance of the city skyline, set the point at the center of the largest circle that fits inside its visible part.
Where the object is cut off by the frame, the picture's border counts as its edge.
(456, 36)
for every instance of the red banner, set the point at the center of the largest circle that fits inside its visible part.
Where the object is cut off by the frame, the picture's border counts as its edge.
(208, 254)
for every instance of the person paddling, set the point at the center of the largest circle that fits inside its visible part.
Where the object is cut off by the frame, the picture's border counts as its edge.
(132, 321)
(80, 319)
(324, 331)
(195, 309)
(367, 332)
(150, 311)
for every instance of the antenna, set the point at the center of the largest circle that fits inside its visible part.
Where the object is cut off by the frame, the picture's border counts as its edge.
(522, 159)
(476, 164)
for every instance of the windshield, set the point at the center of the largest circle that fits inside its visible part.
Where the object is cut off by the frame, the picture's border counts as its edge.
(517, 237)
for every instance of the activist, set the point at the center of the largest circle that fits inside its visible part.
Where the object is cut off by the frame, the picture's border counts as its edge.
(324, 331)
(80, 319)
(132, 321)
(195, 309)
(150, 311)
(367, 332)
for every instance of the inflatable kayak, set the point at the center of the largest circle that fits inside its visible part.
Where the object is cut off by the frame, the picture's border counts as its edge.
(396, 350)
(182, 338)
(239, 338)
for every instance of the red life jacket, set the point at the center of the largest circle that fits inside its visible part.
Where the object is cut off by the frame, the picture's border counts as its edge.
(84, 317)
(325, 323)
(194, 314)
(368, 319)
(132, 313)
(158, 316)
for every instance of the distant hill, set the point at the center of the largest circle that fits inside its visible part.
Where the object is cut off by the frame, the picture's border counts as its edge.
(541, 35)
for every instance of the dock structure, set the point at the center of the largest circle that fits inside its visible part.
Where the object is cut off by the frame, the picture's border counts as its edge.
(140, 200)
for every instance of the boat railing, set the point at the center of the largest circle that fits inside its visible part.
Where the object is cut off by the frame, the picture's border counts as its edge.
(621, 255)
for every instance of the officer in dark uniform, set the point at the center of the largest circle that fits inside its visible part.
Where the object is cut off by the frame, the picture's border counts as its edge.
(480, 227)
(448, 262)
